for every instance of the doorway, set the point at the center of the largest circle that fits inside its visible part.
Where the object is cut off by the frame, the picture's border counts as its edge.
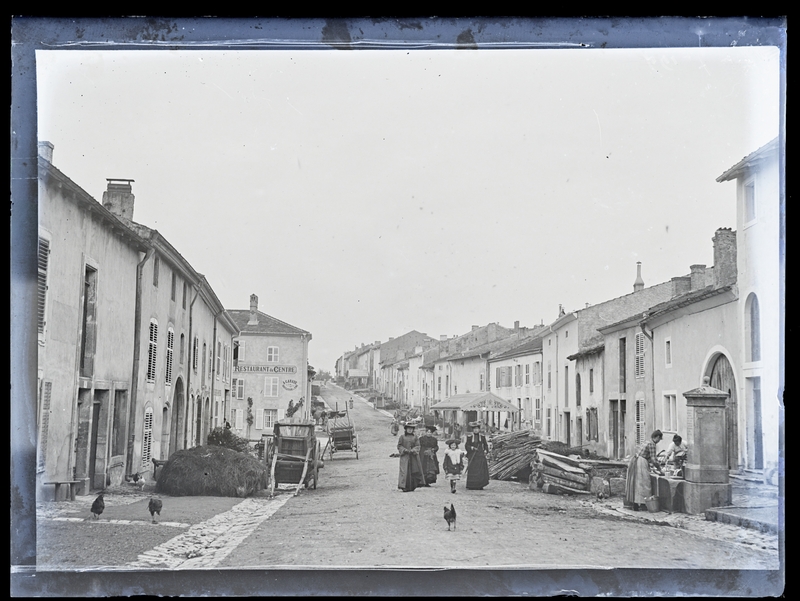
(722, 378)
(567, 432)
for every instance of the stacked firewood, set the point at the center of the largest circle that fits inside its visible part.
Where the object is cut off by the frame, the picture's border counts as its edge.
(512, 454)
(558, 474)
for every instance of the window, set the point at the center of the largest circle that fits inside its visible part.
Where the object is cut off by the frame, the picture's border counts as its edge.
(578, 389)
(238, 388)
(156, 269)
(270, 417)
(538, 414)
(517, 375)
(482, 376)
(669, 413)
(622, 371)
(668, 352)
(239, 419)
(752, 325)
(219, 358)
(439, 384)
(272, 354)
(194, 354)
(640, 421)
(147, 437)
(89, 323)
(170, 345)
(152, 351)
(203, 373)
(566, 385)
(174, 288)
(749, 201)
(120, 416)
(183, 302)
(455, 390)
(638, 363)
(271, 386)
(44, 259)
(549, 421)
(592, 432)
(549, 375)
(566, 334)
(537, 373)
(527, 373)
(591, 381)
(238, 351)
(182, 349)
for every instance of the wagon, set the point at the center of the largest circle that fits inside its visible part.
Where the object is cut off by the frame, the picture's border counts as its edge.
(294, 455)
(341, 433)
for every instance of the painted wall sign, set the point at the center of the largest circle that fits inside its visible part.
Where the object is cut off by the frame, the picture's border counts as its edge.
(290, 384)
(267, 369)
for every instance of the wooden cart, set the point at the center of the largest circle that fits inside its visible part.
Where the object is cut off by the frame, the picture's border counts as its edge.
(294, 455)
(341, 433)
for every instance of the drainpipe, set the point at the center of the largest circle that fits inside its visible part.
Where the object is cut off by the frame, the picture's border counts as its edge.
(186, 423)
(137, 338)
(214, 363)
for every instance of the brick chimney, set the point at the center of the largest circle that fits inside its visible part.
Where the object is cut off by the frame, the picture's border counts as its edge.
(475, 328)
(492, 332)
(118, 198)
(638, 283)
(698, 276)
(516, 325)
(46, 151)
(724, 257)
(681, 285)
(253, 310)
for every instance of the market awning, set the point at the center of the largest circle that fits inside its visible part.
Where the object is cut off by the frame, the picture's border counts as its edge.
(357, 373)
(475, 401)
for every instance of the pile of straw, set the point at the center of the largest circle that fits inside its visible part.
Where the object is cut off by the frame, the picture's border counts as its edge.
(212, 471)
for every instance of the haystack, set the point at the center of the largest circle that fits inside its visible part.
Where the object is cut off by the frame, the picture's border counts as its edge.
(212, 471)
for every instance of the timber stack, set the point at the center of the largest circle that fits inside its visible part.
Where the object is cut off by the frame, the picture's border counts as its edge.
(560, 474)
(512, 454)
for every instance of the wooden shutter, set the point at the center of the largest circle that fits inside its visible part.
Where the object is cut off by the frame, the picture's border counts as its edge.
(44, 424)
(170, 350)
(259, 419)
(147, 437)
(151, 352)
(44, 259)
(239, 418)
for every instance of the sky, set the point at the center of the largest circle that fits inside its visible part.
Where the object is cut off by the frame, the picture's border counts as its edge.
(368, 193)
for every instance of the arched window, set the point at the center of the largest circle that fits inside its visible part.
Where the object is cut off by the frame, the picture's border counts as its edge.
(753, 328)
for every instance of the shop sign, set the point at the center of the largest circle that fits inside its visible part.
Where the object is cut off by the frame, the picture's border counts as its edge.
(290, 384)
(267, 369)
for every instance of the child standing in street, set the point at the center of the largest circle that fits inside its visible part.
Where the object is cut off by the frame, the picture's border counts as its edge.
(453, 463)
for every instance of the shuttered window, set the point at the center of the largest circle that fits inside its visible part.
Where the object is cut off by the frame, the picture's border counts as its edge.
(152, 351)
(638, 365)
(147, 437)
(272, 354)
(527, 373)
(239, 418)
(170, 350)
(44, 259)
(44, 424)
(270, 415)
(194, 354)
(271, 386)
(259, 419)
(640, 422)
(219, 359)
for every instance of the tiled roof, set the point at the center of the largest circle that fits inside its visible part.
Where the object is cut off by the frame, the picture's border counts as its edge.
(749, 161)
(530, 346)
(686, 299)
(266, 324)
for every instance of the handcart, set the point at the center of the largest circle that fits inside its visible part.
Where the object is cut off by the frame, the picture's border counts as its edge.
(341, 433)
(294, 455)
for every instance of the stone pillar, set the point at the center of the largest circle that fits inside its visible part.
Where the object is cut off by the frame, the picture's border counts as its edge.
(706, 470)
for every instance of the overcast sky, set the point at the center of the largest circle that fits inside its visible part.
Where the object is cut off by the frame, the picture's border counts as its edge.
(364, 194)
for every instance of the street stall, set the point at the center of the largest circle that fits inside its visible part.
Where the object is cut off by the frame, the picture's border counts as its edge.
(461, 409)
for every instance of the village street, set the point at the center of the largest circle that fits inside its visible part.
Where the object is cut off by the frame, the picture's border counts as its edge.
(358, 518)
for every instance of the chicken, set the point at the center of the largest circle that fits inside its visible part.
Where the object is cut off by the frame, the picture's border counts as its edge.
(98, 506)
(600, 496)
(450, 516)
(154, 507)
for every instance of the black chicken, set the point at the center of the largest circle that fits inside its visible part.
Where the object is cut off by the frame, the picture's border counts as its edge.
(98, 506)
(450, 516)
(154, 507)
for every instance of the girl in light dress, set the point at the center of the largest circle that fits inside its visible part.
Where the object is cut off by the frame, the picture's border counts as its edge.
(454, 463)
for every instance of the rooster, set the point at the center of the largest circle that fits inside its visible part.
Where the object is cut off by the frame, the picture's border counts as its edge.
(154, 507)
(98, 506)
(450, 516)
(136, 479)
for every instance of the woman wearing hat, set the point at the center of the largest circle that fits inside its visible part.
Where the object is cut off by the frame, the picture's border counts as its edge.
(410, 476)
(477, 449)
(453, 463)
(429, 445)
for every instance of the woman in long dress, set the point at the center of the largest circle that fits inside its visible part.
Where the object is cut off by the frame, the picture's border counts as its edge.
(429, 446)
(410, 476)
(637, 481)
(477, 466)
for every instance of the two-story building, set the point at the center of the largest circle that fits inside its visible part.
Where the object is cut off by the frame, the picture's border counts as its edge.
(517, 377)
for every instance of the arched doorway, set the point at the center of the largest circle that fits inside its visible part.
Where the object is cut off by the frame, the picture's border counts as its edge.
(722, 378)
(176, 427)
(198, 431)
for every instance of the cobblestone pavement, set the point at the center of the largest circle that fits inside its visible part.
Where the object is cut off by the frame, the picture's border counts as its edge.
(206, 544)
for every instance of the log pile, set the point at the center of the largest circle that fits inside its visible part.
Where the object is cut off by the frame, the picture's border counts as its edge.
(512, 454)
(558, 474)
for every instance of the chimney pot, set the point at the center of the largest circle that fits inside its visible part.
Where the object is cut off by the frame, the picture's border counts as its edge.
(681, 285)
(46, 151)
(725, 268)
(516, 325)
(475, 328)
(118, 198)
(638, 283)
(698, 277)
(253, 310)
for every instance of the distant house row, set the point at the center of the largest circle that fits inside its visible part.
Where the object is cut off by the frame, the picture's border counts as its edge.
(604, 376)
(137, 357)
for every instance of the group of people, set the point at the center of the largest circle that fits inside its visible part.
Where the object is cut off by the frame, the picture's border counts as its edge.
(638, 486)
(419, 463)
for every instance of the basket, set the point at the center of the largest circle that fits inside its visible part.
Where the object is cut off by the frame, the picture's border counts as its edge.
(652, 504)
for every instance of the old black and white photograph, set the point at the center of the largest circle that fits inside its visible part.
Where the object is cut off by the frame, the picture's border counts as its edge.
(455, 302)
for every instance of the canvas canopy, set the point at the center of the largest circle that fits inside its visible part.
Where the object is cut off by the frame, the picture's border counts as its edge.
(475, 401)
